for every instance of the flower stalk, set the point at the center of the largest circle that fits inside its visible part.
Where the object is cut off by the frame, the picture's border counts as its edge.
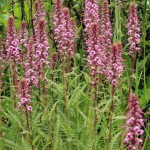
(25, 102)
(134, 39)
(12, 53)
(114, 74)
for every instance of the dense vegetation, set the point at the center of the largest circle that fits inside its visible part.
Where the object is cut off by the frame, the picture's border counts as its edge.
(74, 75)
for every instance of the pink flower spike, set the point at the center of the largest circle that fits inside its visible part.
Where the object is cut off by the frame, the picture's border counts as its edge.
(133, 30)
(64, 30)
(95, 54)
(12, 43)
(133, 124)
(115, 64)
(91, 14)
(24, 95)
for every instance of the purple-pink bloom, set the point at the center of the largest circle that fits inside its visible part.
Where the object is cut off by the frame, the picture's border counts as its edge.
(134, 124)
(106, 34)
(64, 29)
(23, 37)
(41, 50)
(39, 13)
(115, 64)
(29, 65)
(91, 13)
(95, 54)
(24, 95)
(106, 26)
(12, 43)
(133, 30)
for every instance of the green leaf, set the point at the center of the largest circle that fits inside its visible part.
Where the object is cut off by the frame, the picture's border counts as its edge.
(145, 97)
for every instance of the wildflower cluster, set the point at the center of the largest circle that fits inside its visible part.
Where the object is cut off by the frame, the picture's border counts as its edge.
(42, 45)
(91, 13)
(38, 12)
(42, 50)
(12, 43)
(106, 28)
(134, 124)
(115, 66)
(24, 96)
(30, 74)
(64, 29)
(106, 34)
(95, 57)
(133, 30)
(93, 41)
(23, 37)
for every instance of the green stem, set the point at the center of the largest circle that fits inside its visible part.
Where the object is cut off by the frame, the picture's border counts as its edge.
(131, 77)
(12, 7)
(22, 10)
(143, 39)
(31, 16)
(95, 115)
(15, 83)
(111, 112)
(65, 97)
(31, 135)
(28, 127)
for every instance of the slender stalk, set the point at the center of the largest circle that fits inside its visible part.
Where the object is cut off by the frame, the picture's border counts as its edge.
(111, 111)
(1, 135)
(131, 77)
(47, 111)
(0, 80)
(22, 10)
(95, 115)
(64, 83)
(68, 70)
(39, 87)
(39, 95)
(65, 96)
(31, 17)
(50, 132)
(27, 118)
(0, 101)
(143, 38)
(12, 7)
(15, 82)
(75, 65)
(119, 22)
(88, 110)
(53, 100)
(101, 87)
(49, 127)
(31, 135)
(95, 106)
(28, 127)
(1, 68)
(52, 90)
(67, 87)
(44, 89)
